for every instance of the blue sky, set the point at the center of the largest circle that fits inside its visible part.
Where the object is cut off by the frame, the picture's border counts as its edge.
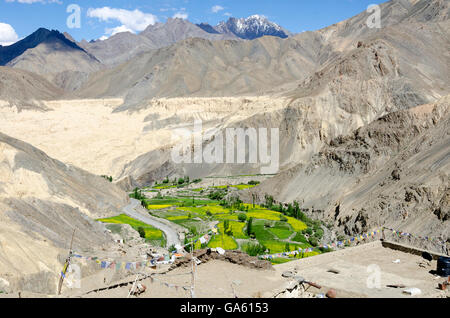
(19, 18)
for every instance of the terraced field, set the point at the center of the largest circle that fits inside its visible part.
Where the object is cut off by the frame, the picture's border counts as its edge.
(152, 235)
(200, 209)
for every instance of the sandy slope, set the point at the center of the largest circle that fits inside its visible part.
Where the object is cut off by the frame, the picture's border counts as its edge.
(91, 135)
(41, 202)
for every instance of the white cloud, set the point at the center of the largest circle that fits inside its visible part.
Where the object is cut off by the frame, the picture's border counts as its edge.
(8, 35)
(132, 21)
(181, 15)
(217, 8)
(228, 14)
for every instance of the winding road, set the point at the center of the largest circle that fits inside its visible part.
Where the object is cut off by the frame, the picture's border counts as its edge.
(132, 211)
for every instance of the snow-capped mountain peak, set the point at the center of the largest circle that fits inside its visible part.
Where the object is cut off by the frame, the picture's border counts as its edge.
(250, 28)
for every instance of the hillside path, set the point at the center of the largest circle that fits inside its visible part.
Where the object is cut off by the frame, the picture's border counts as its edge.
(132, 210)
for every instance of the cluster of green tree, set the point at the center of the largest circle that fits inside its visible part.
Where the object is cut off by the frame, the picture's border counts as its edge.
(137, 194)
(253, 182)
(109, 178)
(217, 195)
(183, 180)
(235, 204)
(291, 209)
(180, 182)
(314, 231)
(254, 249)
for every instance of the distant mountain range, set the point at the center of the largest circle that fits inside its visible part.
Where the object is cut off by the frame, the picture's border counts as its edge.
(179, 58)
(123, 46)
(67, 63)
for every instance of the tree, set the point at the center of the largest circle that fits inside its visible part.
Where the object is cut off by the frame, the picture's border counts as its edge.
(290, 210)
(217, 195)
(187, 246)
(242, 217)
(141, 232)
(226, 224)
(254, 249)
(227, 229)
(193, 231)
(287, 247)
(313, 241)
(249, 227)
(269, 201)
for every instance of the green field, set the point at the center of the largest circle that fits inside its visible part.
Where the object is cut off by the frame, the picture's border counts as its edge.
(277, 232)
(224, 241)
(281, 233)
(237, 229)
(151, 234)
(158, 206)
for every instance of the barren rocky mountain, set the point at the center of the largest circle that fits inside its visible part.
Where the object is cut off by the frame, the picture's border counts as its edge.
(24, 89)
(123, 46)
(41, 201)
(198, 67)
(393, 171)
(391, 71)
(9, 53)
(57, 59)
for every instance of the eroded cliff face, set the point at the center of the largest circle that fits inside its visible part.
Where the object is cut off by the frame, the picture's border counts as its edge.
(42, 201)
(392, 172)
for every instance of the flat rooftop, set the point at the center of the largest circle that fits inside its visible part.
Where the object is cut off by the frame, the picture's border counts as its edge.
(358, 264)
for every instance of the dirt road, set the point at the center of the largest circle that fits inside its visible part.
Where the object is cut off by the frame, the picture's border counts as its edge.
(133, 210)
